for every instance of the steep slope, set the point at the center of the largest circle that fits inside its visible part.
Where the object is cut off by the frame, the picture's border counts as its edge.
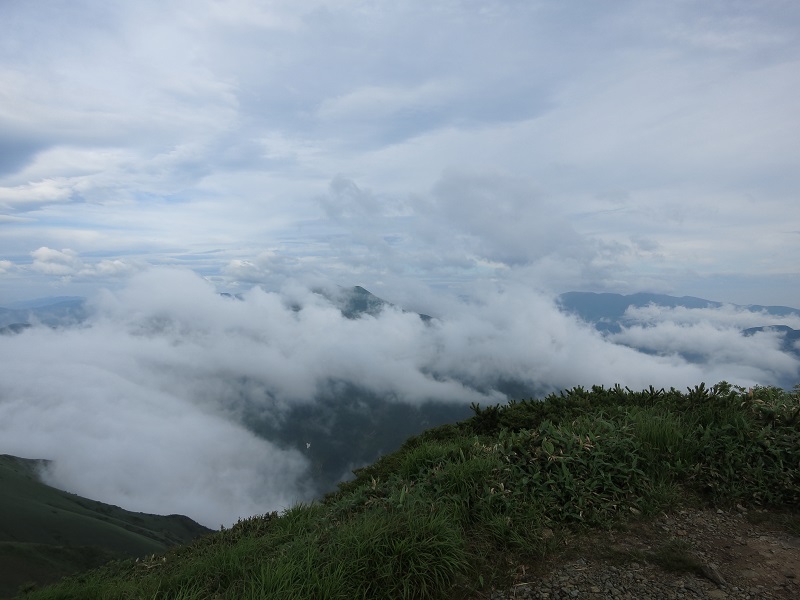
(46, 533)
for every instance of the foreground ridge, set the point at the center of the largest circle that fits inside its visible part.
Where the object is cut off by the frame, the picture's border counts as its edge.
(489, 506)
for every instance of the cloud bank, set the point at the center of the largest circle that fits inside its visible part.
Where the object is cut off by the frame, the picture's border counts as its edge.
(147, 403)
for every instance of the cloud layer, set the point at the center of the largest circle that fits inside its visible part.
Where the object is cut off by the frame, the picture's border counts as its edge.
(635, 146)
(149, 403)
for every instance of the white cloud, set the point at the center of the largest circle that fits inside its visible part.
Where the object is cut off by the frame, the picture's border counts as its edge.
(56, 262)
(116, 437)
(67, 263)
(723, 317)
(112, 268)
(372, 102)
(34, 194)
(509, 219)
(148, 398)
(186, 128)
(716, 346)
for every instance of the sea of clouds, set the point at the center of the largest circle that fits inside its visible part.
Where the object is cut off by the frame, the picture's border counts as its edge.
(145, 403)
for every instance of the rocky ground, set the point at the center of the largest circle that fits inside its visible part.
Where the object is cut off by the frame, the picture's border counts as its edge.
(688, 554)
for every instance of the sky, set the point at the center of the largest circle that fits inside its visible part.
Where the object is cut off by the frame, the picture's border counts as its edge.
(411, 148)
(468, 160)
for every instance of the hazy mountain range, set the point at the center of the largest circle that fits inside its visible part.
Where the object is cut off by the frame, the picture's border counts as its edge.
(53, 311)
(610, 312)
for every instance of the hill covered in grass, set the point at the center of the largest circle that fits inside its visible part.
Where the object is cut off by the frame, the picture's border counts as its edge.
(457, 508)
(46, 533)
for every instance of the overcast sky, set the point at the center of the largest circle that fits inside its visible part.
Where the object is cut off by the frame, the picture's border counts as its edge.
(607, 146)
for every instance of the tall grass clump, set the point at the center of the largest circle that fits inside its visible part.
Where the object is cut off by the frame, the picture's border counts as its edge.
(664, 437)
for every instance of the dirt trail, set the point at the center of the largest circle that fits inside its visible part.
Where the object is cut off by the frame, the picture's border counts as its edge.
(690, 553)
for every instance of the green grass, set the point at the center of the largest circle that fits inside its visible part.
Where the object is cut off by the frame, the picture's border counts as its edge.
(46, 533)
(456, 508)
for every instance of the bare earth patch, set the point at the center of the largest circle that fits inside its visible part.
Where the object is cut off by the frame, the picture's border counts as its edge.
(691, 553)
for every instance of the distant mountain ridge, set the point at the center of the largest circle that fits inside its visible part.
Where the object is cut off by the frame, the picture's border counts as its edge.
(45, 302)
(790, 340)
(353, 302)
(54, 311)
(356, 301)
(606, 311)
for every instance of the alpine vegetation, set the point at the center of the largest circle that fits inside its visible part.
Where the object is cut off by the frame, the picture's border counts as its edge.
(456, 509)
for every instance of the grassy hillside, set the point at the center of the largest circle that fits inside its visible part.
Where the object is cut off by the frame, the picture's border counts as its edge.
(456, 508)
(46, 533)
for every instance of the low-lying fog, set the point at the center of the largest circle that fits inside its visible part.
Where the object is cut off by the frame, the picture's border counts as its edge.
(171, 398)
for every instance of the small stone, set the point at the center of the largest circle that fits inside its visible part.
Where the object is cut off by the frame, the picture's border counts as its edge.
(694, 588)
